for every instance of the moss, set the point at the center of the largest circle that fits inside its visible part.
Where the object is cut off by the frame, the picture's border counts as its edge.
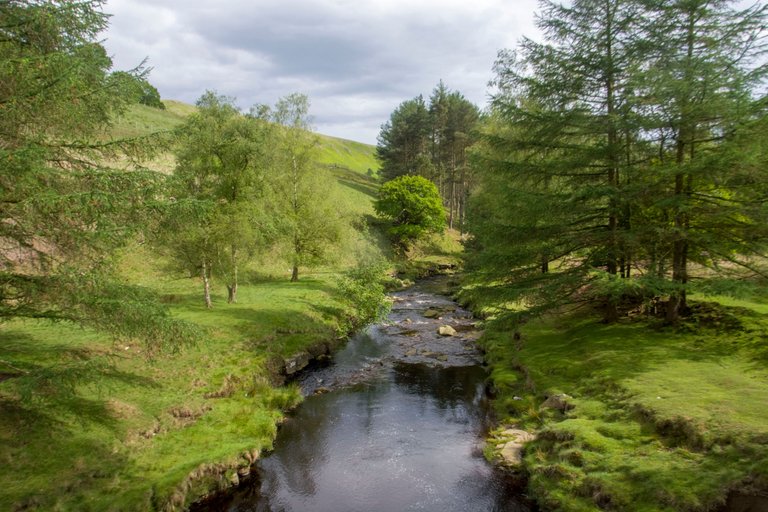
(662, 419)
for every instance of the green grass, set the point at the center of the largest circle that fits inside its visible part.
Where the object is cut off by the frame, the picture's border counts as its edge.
(664, 419)
(129, 440)
(353, 163)
(143, 434)
(342, 153)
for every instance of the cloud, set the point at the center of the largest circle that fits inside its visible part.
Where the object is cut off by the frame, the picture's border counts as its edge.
(356, 59)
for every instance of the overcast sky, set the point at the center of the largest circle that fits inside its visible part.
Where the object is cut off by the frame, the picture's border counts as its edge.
(356, 59)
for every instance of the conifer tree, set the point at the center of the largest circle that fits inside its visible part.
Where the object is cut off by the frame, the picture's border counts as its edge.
(63, 210)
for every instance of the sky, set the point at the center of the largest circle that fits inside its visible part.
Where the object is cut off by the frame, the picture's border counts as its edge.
(357, 60)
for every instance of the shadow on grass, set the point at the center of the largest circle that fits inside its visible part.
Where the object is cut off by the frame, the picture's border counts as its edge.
(593, 351)
(356, 181)
(38, 440)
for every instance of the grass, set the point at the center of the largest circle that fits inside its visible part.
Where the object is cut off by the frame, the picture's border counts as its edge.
(128, 440)
(355, 156)
(663, 419)
(136, 433)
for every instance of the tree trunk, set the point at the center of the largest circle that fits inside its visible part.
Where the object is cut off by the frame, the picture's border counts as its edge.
(295, 273)
(677, 297)
(232, 288)
(232, 293)
(207, 285)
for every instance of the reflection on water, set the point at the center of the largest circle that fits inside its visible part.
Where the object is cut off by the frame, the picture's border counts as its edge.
(406, 438)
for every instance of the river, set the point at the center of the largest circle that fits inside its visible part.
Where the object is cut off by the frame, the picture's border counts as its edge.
(394, 423)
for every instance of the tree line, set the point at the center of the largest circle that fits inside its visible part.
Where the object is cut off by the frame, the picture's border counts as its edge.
(626, 147)
(431, 140)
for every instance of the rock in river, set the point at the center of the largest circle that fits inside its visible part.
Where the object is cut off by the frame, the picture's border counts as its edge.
(446, 330)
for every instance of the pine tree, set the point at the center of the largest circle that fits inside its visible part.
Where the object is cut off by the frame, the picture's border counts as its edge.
(63, 211)
(621, 128)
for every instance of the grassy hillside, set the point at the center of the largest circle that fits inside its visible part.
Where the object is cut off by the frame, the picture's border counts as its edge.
(341, 155)
(151, 431)
(658, 418)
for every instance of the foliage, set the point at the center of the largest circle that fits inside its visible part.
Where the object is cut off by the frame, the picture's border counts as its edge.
(137, 88)
(363, 289)
(413, 205)
(63, 211)
(431, 140)
(631, 166)
(217, 218)
(310, 226)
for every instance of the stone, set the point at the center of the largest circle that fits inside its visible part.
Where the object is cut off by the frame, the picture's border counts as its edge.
(558, 402)
(446, 330)
(512, 451)
(297, 363)
(432, 313)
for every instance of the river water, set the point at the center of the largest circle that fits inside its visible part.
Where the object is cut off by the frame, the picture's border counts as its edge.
(394, 423)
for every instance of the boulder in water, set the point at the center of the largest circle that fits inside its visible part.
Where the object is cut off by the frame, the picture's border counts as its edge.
(446, 330)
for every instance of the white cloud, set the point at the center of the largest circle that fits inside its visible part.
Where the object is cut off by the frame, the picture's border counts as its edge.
(356, 59)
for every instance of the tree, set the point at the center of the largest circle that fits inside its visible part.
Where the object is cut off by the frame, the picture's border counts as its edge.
(626, 163)
(431, 141)
(453, 121)
(703, 79)
(403, 139)
(309, 224)
(412, 204)
(217, 219)
(137, 88)
(62, 211)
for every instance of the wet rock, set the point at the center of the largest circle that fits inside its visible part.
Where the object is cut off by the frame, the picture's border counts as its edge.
(410, 352)
(465, 327)
(321, 390)
(432, 313)
(446, 330)
(559, 402)
(514, 445)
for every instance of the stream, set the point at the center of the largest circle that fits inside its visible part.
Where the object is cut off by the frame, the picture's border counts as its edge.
(394, 423)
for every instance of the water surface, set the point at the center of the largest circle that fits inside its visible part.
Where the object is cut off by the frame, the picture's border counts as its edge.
(394, 424)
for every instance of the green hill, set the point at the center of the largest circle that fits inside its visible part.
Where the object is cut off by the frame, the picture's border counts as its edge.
(338, 154)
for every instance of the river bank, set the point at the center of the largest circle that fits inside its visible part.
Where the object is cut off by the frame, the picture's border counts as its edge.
(635, 415)
(395, 422)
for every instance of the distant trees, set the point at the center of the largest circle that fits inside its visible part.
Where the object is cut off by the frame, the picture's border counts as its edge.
(412, 204)
(137, 88)
(63, 212)
(609, 152)
(431, 140)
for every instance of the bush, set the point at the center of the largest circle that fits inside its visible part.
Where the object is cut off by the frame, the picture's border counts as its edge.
(413, 205)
